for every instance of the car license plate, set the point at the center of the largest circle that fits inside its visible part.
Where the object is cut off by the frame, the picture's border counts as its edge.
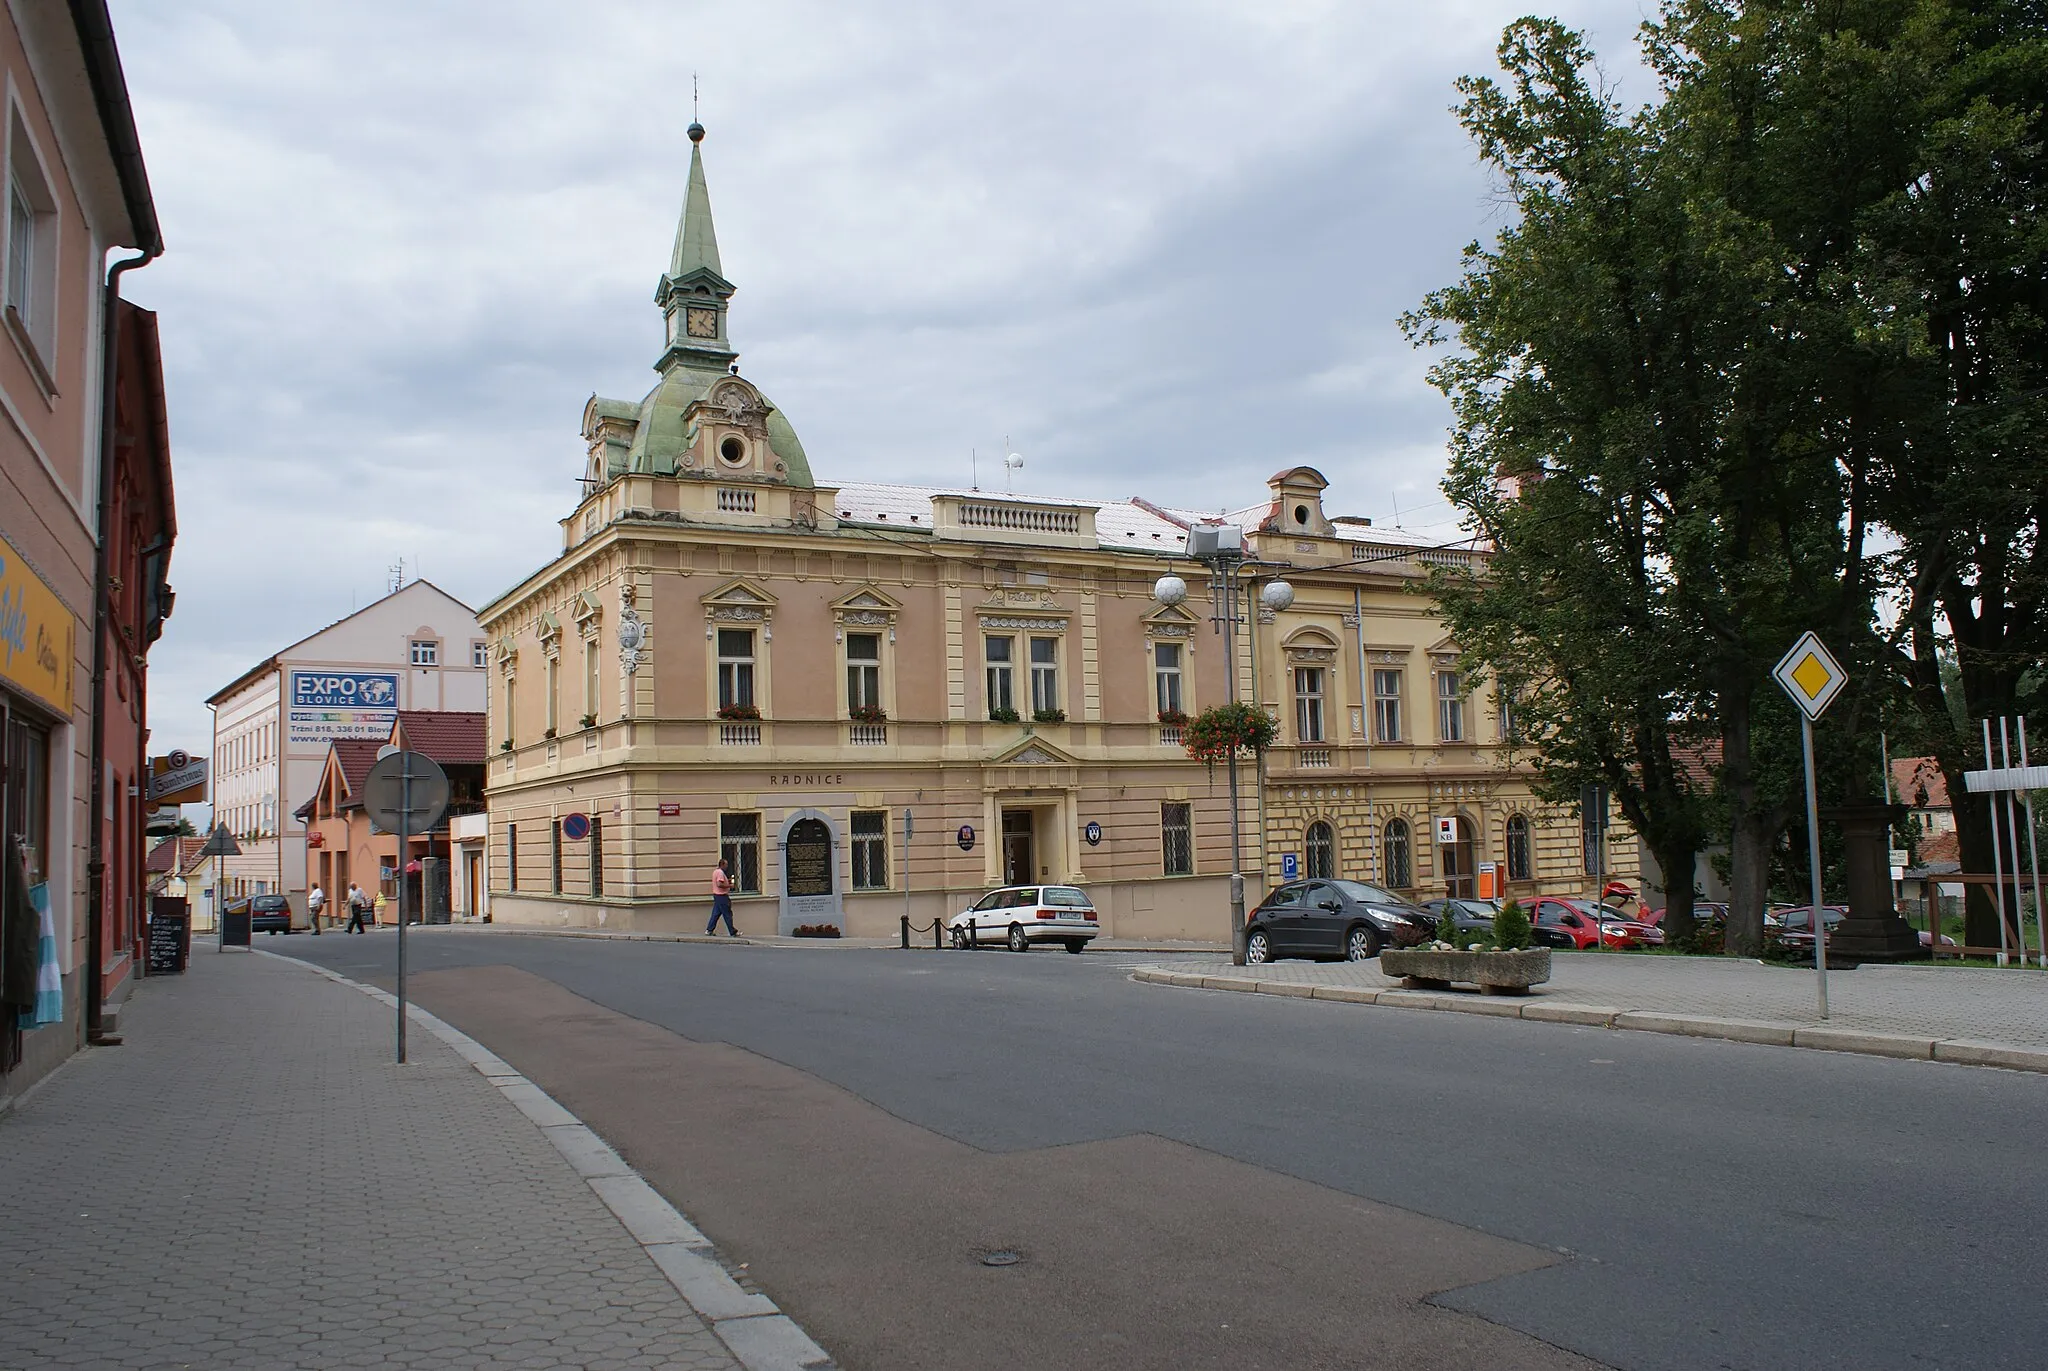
(1068, 916)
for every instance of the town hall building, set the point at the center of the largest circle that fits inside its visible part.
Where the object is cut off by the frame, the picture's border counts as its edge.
(878, 700)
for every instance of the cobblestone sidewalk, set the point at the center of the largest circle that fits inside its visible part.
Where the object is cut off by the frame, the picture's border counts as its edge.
(250, 1182)
(1928, 1003)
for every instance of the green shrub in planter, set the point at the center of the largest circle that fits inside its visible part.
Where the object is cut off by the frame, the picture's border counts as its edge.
(1447, 930)
(1511, 927)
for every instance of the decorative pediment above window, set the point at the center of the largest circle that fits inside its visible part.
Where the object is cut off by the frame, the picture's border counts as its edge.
(866, 607)
(1170, 621)
(1389, 654)
(551, 635)
(1444, 652)
(505, 655)
(739, 602)
(1311, 647)
(587, 613)
(1031, 762)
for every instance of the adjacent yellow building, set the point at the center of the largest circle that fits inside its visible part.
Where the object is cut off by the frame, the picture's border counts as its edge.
(879, 700)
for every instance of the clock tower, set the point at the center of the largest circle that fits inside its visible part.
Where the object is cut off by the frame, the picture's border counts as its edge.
(693, 293)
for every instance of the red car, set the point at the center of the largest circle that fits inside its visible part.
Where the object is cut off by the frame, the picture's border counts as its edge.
(1586, 924)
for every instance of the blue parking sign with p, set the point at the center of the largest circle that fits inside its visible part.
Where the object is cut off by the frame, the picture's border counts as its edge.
(1290, 866)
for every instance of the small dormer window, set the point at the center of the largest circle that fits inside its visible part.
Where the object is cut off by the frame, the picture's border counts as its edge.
(733, 450)
(1301, 515)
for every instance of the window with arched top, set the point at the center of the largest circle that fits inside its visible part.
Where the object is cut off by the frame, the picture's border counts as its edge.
(1518, 847)
(1320, 846)
(1395, 861)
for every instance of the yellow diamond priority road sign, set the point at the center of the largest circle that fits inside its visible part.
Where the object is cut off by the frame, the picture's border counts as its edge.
(1810, 676)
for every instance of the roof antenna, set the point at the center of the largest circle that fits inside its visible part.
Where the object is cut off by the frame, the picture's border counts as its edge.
(397, 570)
(1397, 511)
(1011, 462)
(974, 467)
(693, 99)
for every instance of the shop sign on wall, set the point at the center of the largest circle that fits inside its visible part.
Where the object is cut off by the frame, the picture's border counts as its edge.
(325, 705)
(35, 633)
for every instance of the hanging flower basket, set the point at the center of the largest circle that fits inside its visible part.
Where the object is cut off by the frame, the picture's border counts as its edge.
(1173, 718)
(1223, 731)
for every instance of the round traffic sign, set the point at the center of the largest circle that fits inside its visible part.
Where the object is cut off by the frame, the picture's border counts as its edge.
(406, 790)
(576, 827)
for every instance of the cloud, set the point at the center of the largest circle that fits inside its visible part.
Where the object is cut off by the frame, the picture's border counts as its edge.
(1158, 245)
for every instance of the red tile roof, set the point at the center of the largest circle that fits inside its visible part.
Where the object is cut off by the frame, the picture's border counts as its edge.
(1940, 847)
(450, 737)
(175, 853)
(357, 756)
(1910, 775)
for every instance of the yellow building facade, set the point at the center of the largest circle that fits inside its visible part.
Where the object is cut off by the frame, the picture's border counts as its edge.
(876, 701)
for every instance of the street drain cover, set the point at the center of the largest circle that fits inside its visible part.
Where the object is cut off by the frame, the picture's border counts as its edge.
(1001, 1257)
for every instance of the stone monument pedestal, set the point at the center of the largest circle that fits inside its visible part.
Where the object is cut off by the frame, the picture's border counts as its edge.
(1874, 930)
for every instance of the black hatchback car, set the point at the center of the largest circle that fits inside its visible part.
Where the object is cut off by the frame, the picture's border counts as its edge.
(270, 914)
(1329, 918)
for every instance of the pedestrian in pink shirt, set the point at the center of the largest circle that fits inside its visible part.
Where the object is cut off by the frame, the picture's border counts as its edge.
(721, 902)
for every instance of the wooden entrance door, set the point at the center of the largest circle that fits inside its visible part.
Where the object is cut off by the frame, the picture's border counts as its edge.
(1020, 860)
(1456, 863)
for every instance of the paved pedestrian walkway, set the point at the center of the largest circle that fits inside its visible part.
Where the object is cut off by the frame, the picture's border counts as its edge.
(1923, 1004)
(251, 1182)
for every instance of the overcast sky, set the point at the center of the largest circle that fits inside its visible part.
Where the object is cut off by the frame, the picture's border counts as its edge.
(1160, 246)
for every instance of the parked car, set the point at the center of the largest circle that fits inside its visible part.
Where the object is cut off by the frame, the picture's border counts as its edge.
(1473, 916)
(1794, 927)
(1703, 912)
(1020, 915)
(269, 914)
(1621, 930)
(1329, 918)
(1585, 923)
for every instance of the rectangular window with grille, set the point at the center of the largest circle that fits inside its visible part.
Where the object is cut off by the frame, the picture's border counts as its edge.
(511, 856)
(1308, 704)
(596, 855)
(1450, 707)
(871, 849)
(735, 667)
(863, 671)
(1000, 655)
(739, 842)
(1386, 706)
(1045, 675)
(555, 855)
(1176, 839)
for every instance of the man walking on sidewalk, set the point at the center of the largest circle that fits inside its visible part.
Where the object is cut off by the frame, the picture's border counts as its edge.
(721, 901)
(358, 906)
(316, 900)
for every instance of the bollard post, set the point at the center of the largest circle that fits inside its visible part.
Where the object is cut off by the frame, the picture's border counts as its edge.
(906, 932)
(974, 933)
(938, 933)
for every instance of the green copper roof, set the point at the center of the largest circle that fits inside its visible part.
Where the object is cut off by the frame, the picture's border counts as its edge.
(696, 242)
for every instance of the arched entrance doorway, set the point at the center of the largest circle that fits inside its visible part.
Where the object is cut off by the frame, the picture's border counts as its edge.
(1456, 861)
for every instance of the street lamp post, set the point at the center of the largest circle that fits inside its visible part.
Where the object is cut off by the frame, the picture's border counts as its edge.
(1220, 547)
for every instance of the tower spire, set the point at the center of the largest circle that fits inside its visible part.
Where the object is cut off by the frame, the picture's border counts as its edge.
(696, 241)
(693, 292)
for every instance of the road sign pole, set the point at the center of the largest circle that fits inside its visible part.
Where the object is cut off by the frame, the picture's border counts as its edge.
(404, 837)
(1820, 923)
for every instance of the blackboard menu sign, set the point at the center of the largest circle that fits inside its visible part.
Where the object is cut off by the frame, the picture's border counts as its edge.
(170, 937)
(807, 859)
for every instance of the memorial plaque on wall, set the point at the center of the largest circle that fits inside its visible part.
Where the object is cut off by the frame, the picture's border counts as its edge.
(807, 859)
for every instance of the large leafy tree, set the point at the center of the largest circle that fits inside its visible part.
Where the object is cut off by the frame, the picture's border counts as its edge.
(1635, 386)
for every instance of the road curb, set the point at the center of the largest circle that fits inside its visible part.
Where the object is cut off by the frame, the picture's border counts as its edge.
(1957, 1052)
(751, 1325)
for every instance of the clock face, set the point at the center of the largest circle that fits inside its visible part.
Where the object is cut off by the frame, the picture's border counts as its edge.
(702, 323)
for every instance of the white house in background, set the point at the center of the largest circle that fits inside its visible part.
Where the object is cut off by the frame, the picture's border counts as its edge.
(417, 648)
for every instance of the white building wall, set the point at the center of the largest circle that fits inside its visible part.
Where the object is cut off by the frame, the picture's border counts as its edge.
(377, 639)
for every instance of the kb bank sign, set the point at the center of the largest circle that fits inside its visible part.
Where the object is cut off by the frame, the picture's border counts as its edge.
(341, 704)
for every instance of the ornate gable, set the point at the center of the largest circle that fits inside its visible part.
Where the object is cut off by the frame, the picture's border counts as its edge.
(867, 607)
(739, 602)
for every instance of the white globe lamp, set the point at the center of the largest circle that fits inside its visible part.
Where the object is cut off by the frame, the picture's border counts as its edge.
(1277, 596)
(1170, 591)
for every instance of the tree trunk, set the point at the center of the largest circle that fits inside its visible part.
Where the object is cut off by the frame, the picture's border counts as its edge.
(1679, 866)
(1749, 879)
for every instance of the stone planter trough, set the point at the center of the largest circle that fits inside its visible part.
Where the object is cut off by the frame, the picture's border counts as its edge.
(1496, 973)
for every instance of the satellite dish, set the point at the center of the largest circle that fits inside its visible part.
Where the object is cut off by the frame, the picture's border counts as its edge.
(1014, 460)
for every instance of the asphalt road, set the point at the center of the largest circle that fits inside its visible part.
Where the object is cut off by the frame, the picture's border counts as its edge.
(1667, 1202)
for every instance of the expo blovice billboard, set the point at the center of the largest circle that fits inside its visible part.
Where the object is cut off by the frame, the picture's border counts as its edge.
(325, 705)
